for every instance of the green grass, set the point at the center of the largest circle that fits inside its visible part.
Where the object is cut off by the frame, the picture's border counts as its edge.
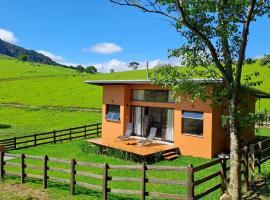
(18, 121)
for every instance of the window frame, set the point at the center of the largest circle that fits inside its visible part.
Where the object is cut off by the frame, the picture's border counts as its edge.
(182, 124)
(168, 99)
(113, 113)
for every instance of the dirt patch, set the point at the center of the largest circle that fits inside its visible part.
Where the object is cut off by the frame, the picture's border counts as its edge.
(22, 192)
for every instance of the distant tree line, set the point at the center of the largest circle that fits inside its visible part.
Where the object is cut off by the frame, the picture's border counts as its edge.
(90, 69)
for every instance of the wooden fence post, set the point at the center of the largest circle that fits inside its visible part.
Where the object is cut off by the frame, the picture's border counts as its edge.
(72, 176)
(105, 181)
(190, 175)
(85, 131)
(54, 137)
(259, 157)
(223, 173)
(245, 164)
(22, 168)
(2, 163)
(143, 181)
(97, 129)
(252, 166)
(15, 142)
(70, 136)
(35, 139)
(45, 172)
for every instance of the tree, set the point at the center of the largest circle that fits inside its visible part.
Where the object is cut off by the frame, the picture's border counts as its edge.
(133, 65)
(216, 34)
(23, 58)
(111, 71)
(91, 69)
(80, 68)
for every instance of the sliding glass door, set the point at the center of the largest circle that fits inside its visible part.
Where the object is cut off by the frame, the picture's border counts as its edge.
(144, 118)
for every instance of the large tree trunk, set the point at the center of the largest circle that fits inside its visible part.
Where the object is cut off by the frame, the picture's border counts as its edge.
(235, 156)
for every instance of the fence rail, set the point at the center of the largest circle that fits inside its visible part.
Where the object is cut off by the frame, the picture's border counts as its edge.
(73, 172)
(51, 137)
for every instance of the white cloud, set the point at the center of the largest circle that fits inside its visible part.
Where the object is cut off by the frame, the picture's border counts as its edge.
(119, 65)
(54, 57)
(104, 48)
(8, 36)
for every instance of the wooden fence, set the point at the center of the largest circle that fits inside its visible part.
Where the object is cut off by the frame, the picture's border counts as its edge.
(104, 188)
(51, 137)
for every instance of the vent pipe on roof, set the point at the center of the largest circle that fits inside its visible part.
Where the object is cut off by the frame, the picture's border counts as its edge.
(147, 70)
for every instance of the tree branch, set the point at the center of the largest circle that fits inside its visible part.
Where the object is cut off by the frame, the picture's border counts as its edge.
(143, 8)
(243, 45)
(224, 40)
(206, 41)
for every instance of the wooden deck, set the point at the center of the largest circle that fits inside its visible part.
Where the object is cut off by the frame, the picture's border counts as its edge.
(132, 147)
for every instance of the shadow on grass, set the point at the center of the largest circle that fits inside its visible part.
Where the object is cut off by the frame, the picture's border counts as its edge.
(4, 126)
(66, 187)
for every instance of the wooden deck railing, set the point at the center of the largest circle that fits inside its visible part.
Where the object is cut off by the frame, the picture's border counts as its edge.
(74, 172)
(51, 137)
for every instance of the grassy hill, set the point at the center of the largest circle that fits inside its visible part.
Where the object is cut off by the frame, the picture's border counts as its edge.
(32, 84)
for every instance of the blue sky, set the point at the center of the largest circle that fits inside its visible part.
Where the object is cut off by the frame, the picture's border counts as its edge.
(98, 32)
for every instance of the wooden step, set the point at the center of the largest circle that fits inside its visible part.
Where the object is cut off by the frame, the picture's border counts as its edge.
(168, 153)
(171, 157)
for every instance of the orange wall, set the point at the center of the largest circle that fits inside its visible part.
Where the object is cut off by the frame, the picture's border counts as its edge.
(213, 141)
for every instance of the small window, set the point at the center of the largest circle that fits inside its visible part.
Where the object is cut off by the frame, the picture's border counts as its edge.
(113, 112)
(192, 123)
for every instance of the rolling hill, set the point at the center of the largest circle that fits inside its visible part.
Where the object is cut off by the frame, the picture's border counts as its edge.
(14, 51)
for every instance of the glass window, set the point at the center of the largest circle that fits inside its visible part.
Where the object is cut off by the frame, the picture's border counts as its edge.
(113, 112)
(152, 95)
(192, 123)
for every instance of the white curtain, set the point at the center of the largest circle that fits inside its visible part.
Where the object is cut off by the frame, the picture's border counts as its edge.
(138, 95)
(138, 120)
(169, 125)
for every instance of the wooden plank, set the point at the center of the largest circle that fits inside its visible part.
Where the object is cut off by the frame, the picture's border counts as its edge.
(266, 150)
(34, 176)
(206, 165)
(167, 196)
(2, 163)
(60, 180)
(13, 155)
(34, 167)
(167, 168)
(12, 164)
(24, 142)
(130, 167)
(190, 175)
(121, 191)
(12, 173)
(265, 159)
(56, 169)
(90, 175)
(127, 179)
(89, 186)
(58, 160)
(207, 178)
(198, 196)
(167, 181)
(34, 157)
(87, 164)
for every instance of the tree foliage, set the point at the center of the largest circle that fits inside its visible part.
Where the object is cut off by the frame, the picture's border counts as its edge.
(91, 69)
(133, 65)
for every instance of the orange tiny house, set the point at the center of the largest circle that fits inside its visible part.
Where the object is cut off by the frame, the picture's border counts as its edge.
(194, 128)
